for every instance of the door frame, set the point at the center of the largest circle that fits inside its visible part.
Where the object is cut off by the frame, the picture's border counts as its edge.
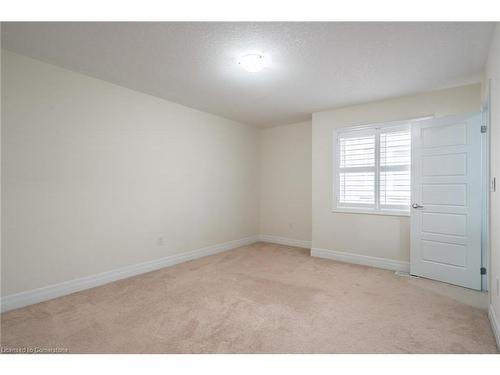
(485, 168)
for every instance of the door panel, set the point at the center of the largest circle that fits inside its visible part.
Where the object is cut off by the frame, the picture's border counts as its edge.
(446, 186)
(455, 134)
(444, 194)
(444, 165)
(444, 224)
(442, 252)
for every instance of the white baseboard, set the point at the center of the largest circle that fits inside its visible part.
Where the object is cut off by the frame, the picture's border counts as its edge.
(30, 297)
(365, 260)
(495, 325)
(285, 241)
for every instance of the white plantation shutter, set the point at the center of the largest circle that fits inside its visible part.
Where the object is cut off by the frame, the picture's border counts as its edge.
(395, 159)
(356, 170)
(373, 169)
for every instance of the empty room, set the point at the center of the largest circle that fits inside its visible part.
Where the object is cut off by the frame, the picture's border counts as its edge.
(250, 187)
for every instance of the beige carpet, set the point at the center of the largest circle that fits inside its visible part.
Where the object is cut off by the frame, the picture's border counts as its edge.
(261, 298)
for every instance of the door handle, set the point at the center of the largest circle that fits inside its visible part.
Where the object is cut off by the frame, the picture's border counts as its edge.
(415, 205)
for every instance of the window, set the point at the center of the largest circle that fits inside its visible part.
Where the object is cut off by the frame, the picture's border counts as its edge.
(372, 169)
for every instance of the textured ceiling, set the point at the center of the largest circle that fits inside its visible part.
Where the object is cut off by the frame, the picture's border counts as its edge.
(315, 66)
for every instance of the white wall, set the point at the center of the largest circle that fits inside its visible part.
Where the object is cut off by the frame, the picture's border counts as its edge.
(493, 74)
(372, 235)
(93, 174)
(285, 182)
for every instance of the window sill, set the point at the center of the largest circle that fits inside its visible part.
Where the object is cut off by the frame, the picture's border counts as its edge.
(371, 212)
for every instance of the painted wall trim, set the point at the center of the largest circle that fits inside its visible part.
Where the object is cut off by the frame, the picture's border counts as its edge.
(365, 260)
(285, 241)
(495, 325)
(15, 301)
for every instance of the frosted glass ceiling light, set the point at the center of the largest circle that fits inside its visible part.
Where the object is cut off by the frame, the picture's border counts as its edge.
(253, 62)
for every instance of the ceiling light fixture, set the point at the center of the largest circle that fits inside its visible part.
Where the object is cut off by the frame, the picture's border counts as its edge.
(253, 62)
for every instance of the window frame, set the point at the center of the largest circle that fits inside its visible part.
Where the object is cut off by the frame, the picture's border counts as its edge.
(376, 129)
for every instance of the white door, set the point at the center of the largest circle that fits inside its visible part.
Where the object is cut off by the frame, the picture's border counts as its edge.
(446, 200)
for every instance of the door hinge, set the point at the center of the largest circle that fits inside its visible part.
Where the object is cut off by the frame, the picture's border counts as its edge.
(483, 271)
(484, 128)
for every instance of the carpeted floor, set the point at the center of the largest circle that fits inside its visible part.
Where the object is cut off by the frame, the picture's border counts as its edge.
(261, 298)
